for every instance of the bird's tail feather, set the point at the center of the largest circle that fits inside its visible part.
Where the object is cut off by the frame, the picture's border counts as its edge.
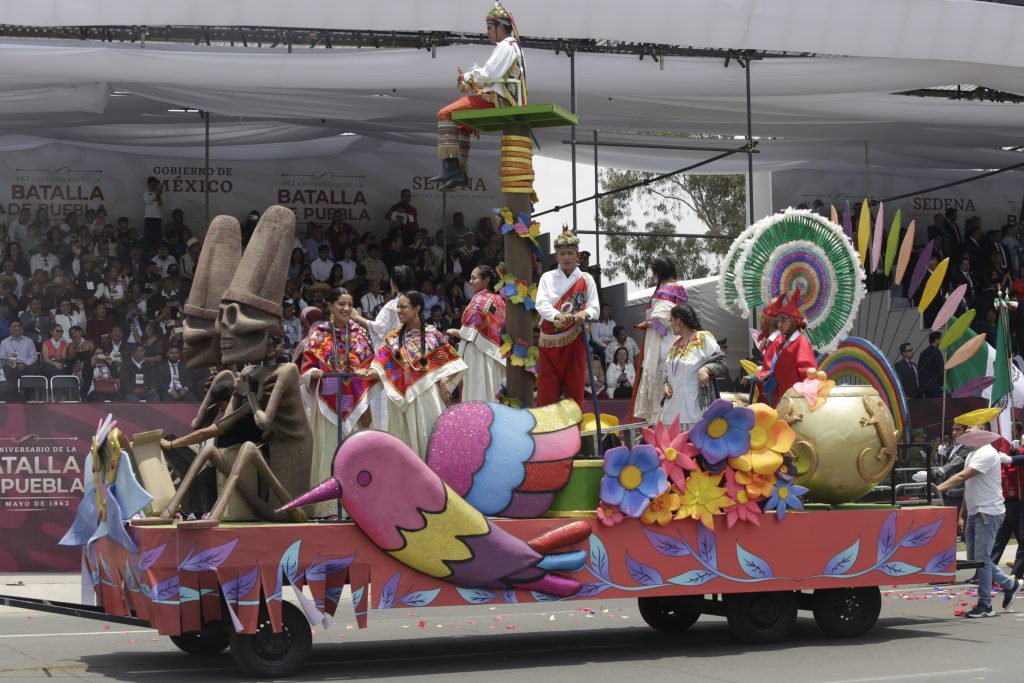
(571, 561)
(561, 536)
(553, 584)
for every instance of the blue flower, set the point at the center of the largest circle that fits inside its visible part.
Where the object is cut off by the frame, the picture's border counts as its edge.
(723, 431)
(785, 495)
(632, 478)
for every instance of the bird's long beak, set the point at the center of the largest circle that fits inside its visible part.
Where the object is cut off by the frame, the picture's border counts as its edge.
(328, 489)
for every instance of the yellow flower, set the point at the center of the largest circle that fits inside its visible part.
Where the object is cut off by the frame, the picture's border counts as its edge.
(770, 437)
(662, 508)
(703, 498)
(756, 485)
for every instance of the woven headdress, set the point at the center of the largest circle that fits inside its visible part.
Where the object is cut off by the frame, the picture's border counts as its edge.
(567, 238)
(500, 14)
(798, 251)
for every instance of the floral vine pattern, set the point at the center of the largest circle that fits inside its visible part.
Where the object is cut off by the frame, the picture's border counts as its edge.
(705, 551)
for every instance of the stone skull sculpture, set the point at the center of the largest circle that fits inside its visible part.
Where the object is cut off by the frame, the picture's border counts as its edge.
(250, 310)
(218, 261)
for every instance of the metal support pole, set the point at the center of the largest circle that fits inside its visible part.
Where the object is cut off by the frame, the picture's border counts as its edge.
(572, 129)
(597, 209)
(750, 146)
(206, 170)
(444, 231)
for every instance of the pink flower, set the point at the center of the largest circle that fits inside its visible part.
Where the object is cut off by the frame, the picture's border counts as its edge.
(609, 516)
(746, 508)
(675, 450)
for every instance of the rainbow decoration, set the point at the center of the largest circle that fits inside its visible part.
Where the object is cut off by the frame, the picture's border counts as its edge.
(860, 359)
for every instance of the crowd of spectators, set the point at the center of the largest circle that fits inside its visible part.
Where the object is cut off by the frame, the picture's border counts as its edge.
(988, 262)
(101, 299)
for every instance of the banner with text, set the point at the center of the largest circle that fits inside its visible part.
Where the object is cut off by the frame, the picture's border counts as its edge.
(42, 457)
(66, 178)
(996, 200)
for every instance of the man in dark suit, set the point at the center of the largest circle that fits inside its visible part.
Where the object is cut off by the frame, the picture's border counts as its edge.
(930, 365)
(173, 379)
(964, 276)
(906, 371)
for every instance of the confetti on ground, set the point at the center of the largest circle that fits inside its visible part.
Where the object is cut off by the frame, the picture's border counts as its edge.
(471, 622)
(131, 641)
(422, 624)
(551, 618)
(510, 627)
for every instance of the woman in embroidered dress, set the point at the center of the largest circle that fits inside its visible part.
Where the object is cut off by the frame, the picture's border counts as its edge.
(417, 368)
(657, 337)
(337, 345)
(483, 322)
(692, 360)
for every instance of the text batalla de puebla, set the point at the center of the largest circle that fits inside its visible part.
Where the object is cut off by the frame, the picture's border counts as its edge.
(38, 474)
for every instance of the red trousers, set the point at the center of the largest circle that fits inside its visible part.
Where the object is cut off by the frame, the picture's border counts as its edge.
(561, 369)
(468, 102)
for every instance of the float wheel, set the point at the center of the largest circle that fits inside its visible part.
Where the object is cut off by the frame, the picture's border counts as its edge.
(847, 612)
(759, 618)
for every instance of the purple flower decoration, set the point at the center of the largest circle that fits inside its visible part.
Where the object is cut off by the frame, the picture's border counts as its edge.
(632, 479)
(723, 432)
(785, 495)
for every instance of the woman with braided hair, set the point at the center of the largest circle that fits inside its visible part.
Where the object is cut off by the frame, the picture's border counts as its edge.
(337, 345)
(417, 368)
(483, 322)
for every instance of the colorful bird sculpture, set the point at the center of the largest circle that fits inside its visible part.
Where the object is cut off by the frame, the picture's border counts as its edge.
(506, 462)
(409, 512)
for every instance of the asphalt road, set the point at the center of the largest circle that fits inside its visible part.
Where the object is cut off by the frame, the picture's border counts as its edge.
(917, 638)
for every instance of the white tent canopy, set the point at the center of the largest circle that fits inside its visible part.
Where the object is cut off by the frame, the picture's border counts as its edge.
(809, 112)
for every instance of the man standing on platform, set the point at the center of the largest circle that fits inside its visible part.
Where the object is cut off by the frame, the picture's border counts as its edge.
(906, 371)
(566, 299)
(930, 364)
(501, 82)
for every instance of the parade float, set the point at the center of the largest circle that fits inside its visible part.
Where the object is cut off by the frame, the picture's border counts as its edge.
(747, 515)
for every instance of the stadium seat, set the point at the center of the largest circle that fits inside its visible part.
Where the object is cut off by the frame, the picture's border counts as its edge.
(65, 389)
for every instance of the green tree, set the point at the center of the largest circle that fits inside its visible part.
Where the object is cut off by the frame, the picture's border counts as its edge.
(719, 201)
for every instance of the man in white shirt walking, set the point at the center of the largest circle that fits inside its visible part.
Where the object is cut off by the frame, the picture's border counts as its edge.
(980, 517)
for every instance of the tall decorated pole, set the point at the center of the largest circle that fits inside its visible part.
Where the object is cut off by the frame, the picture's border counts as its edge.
(497, 102)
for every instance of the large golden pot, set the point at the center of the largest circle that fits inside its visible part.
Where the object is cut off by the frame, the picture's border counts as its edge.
(845, 447)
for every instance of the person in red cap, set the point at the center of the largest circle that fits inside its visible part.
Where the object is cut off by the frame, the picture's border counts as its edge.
(790, 353)
(767, 340)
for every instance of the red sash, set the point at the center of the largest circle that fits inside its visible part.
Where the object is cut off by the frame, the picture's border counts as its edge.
(574, 300)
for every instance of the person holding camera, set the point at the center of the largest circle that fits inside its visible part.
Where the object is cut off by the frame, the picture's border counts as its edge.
(104, 386)
(621, 374)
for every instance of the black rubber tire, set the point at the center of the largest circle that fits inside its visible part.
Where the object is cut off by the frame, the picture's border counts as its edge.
(761, 618)
(847, 612)
(212, 640)
(671, 613)
(266, 654)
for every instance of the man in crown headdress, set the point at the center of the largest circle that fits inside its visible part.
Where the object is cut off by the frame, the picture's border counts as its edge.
(500, 82)
(789, 356)
(566, 299)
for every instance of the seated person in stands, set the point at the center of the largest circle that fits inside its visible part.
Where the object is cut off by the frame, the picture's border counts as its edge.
(621, 374)
(104, 385)
(137, 377)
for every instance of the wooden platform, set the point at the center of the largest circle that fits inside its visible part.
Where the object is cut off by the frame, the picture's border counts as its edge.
(534, 115)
